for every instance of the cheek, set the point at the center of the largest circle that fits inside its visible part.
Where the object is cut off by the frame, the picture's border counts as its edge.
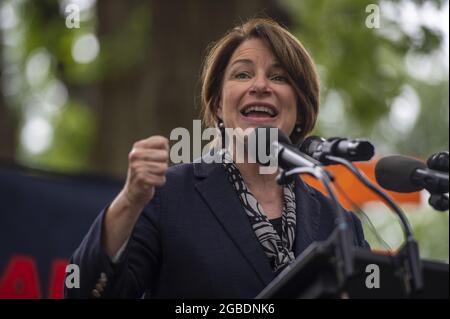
(292, 115)
(290, 100)
(230, 97)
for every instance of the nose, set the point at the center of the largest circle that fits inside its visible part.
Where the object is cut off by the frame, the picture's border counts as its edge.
(260, 86)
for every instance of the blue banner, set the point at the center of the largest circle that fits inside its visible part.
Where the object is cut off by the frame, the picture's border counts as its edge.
(43, 218)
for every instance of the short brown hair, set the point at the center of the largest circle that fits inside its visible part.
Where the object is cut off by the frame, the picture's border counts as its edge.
(290, 53)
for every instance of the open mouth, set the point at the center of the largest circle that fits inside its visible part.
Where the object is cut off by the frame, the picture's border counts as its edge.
(259, 111)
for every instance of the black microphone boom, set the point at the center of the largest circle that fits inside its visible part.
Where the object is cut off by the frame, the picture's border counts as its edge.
(404, 174)
(352, 150)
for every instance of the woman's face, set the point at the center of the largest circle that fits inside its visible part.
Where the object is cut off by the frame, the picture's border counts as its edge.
(256, 91)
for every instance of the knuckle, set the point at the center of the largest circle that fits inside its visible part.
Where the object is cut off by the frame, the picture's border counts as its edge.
(159, 168)
(137, 144)
(132, 156)
(134, 166)
(163, 156)
(140, 178)
(160, 140)
(166, 155)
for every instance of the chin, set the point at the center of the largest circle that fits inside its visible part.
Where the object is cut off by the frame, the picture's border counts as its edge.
(257, 122)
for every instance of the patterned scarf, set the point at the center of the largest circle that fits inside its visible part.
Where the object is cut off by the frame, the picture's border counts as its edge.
(278, 250)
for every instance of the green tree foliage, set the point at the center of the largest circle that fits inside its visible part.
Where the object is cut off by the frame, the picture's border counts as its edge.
(367, 77)
(363, 70)
(430, 228)
(39, 82)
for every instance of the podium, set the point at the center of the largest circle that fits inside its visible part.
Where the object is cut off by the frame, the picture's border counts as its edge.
(314, 275)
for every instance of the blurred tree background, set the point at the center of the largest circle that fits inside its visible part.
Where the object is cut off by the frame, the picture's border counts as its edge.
(75, 99)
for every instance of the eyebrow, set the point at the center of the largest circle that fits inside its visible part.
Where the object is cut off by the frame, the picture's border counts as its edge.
(243, 61)
(248, 61)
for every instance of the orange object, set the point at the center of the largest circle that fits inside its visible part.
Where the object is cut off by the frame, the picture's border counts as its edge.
(355, 190)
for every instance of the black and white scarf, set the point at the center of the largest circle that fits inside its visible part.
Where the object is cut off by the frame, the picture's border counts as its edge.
(278, 250)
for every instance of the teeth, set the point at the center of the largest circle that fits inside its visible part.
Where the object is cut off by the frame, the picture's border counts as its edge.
(257, 108)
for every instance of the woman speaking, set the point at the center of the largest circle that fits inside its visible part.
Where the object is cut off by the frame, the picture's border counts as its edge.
(216, 230)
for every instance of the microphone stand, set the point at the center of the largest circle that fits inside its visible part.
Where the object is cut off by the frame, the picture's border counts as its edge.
(409, 254)
(342, 235)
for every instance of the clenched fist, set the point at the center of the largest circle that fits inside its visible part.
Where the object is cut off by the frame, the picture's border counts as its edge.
(147, 166)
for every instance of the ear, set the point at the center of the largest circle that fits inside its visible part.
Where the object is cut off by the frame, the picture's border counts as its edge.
(219, 112)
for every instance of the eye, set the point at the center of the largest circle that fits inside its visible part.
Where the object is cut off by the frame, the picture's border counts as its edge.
(279, 78)
(242, 75)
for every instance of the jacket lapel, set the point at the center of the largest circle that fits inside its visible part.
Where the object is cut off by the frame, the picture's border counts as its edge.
(221, 198)
(308, 216)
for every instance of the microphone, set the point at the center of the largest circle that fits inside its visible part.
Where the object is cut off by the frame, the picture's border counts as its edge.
(404, 174)
(438, 161)
(296, 162)
(352, 150)
(280, 146)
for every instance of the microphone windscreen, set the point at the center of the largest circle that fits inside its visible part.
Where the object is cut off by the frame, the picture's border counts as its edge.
(439, 161)
(265, 136)
(395, 173)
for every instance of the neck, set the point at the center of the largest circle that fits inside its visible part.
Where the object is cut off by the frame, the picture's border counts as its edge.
(255, 180)
(264, 187)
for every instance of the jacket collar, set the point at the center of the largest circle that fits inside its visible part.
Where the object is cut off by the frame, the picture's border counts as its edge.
(221, 198)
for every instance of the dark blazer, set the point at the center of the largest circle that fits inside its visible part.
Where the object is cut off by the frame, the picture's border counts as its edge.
(194, 240)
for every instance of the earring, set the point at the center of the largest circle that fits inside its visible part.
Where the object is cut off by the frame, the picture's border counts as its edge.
(296, 134)
(221, 127)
